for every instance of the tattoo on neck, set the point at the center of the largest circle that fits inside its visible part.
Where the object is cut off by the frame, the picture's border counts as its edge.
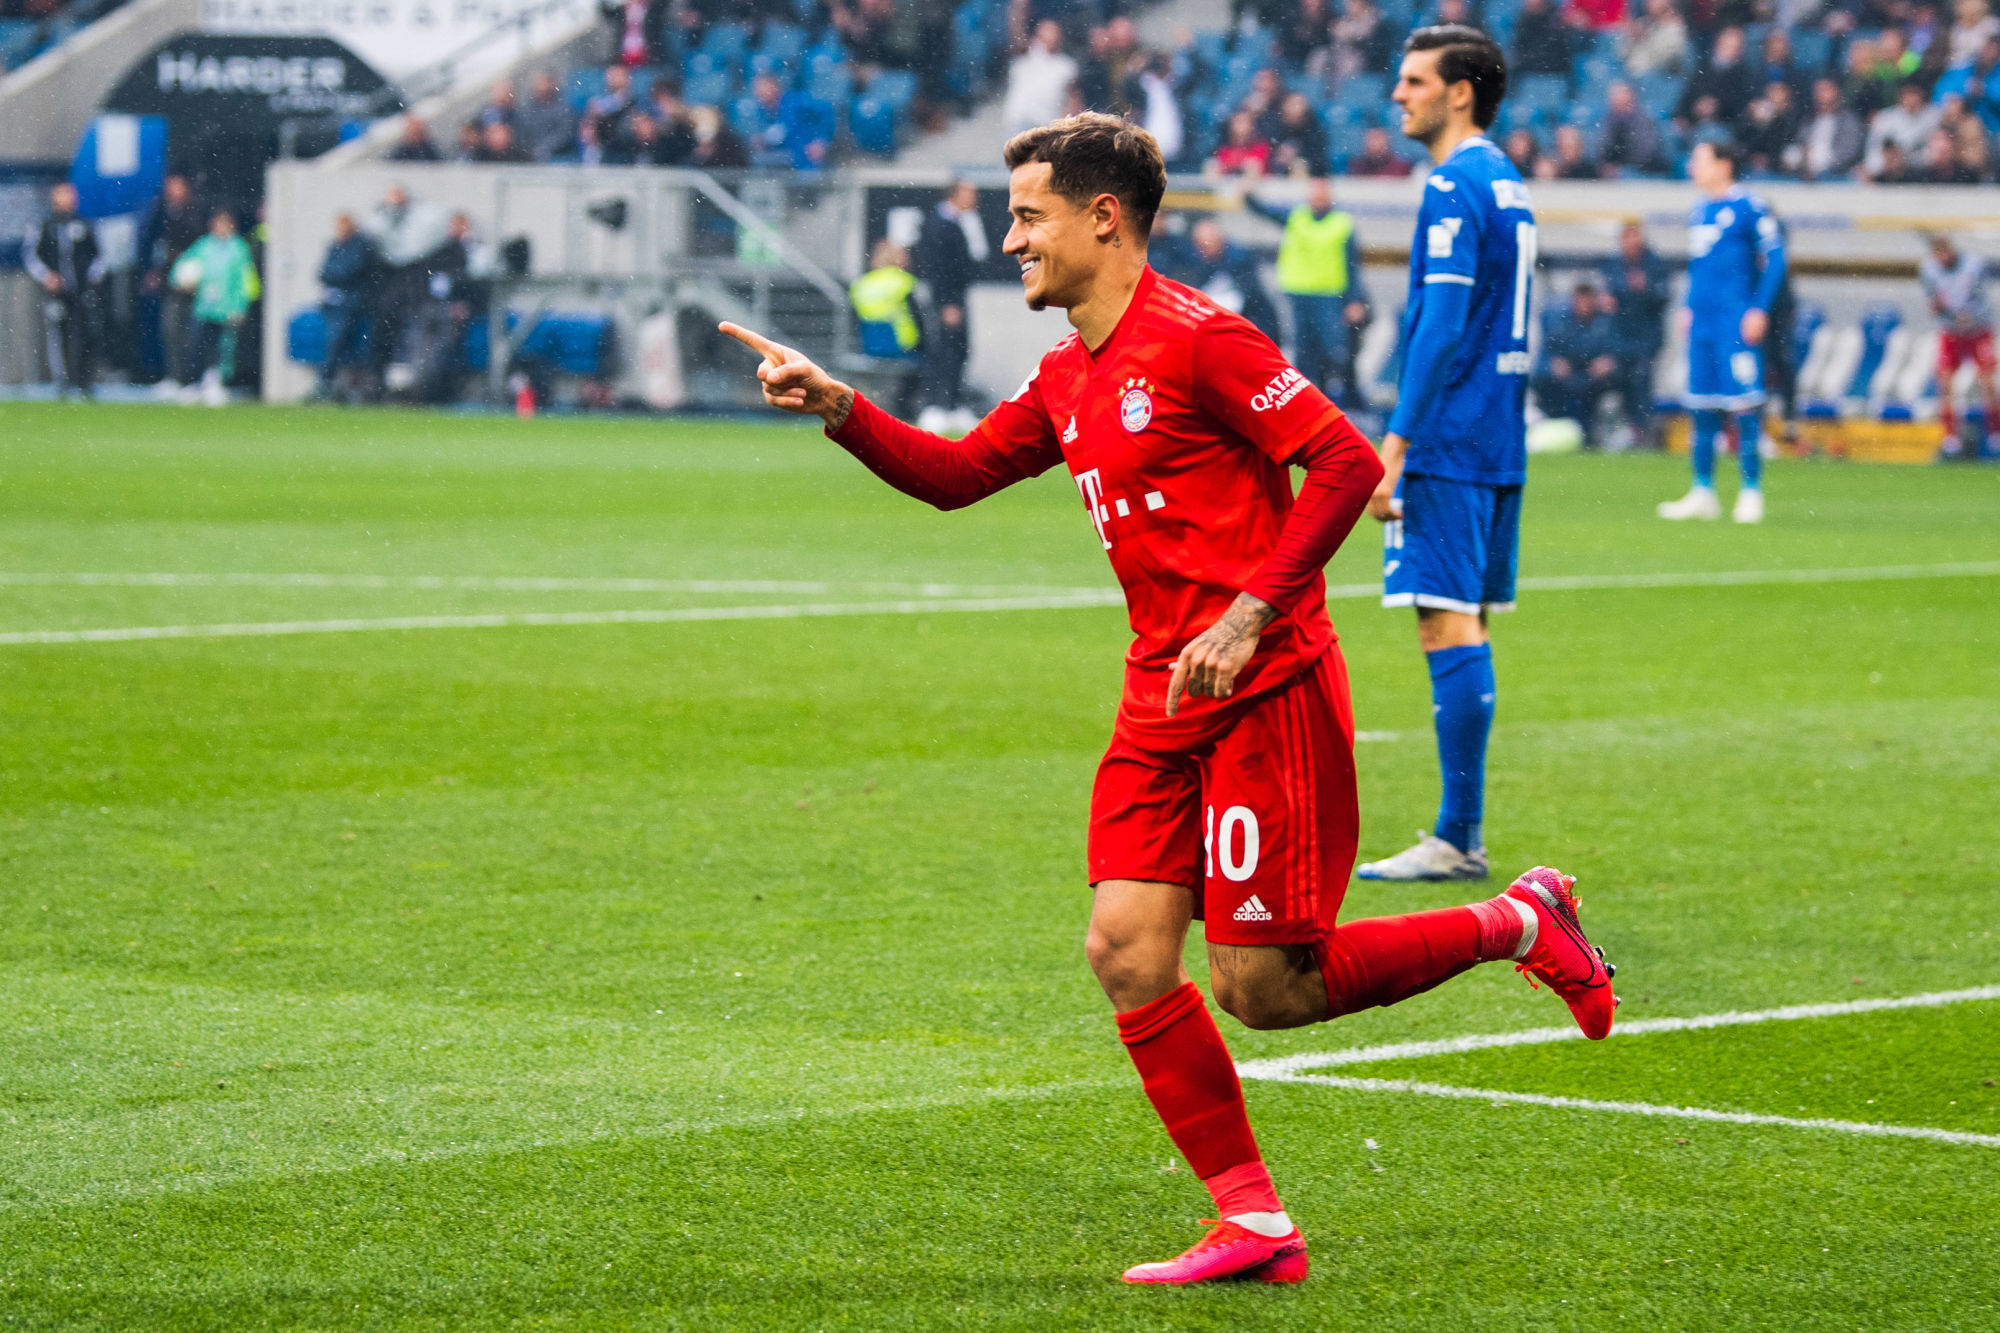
(1117, 241)
(843, 403)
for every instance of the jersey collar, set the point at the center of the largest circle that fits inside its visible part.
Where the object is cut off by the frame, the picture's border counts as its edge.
(1463, 144)
(1147, 280)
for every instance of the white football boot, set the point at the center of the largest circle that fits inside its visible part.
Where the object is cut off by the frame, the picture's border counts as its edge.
(1749, 505)
(1699, 502)
(1431, 859)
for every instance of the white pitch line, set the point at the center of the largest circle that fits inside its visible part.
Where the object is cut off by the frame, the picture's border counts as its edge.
(1287, 1066)
(502, 620)
(1642, 1108)
(509, 583)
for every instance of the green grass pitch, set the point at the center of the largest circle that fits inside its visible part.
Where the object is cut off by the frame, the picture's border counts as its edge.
(727, 974)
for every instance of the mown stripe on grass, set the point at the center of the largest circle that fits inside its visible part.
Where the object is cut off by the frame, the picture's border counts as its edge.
(1284, 1066)
(1869, 1128)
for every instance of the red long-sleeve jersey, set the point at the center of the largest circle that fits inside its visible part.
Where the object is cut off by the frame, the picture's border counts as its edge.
(1178, 430)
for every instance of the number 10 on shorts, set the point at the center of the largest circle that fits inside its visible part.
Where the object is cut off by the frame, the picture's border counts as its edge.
(1234, 842)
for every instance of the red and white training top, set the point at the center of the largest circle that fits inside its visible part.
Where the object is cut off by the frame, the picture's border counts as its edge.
(1178, 431)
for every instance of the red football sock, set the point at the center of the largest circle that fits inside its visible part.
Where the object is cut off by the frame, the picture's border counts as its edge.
(1191, 1081)
(1385, 959)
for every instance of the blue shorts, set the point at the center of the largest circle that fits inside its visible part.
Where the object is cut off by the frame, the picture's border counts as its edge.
(1454, 548)
(1725, 374)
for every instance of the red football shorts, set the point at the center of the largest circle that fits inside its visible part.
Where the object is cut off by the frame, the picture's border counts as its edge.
(1266, 820)
(1954, 349)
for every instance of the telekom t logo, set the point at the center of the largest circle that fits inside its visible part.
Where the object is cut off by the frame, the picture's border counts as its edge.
(1091, 483)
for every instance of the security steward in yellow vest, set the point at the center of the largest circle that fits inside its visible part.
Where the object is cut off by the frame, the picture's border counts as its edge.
(1319, 273)
(887, 294)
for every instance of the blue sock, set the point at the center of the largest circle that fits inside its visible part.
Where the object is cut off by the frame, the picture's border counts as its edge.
(1462, 711)
(1707, 425)
(1749, 434)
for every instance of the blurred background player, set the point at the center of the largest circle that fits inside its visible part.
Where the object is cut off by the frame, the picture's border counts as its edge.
(1736, 266)
(950, 250)
(1455, 456)
(886, 295)
(1955, 285)
(1228, 790)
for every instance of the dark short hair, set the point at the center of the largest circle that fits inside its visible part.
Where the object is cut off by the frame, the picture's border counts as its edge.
(1090, 154)
(1727, 150)
(1466, 55)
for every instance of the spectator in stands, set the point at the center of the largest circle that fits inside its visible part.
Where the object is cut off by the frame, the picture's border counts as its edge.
(1544, 42)
(1570, 161)
(1657, 43)
(455, 294)
(1298, 146)
(1596, 15)
(225, 284)
(347, 278)
(1306, 28)
(1771, 127)
(717, 147)
(500, 108)
(1363, 43)
(1319, 274)
(1974, 147)
(1895, 65)
(545, 124)
(670, 142)
(470, 144)
(1977, 83)
(61, 255)
(1377, 156)
(1228, 275)
(1831, 144)
(1637, 293)
(1973, 26)
(606, 112)
(414, 144)
(1629, 142)
(639, 30)
(1159, 107)
(1908, 124)
(1776, 65)
(1897, 169)
(868, 29)
(1726, 81)
(175, 222)
(1948, 162)
(1267, 92)
(1522, 149)
(1579, 360)
(784, 129)
(1242, 151)
(1862, 91)
(496, 144)
(1106, 77)
(1039, 80)
(950, 248)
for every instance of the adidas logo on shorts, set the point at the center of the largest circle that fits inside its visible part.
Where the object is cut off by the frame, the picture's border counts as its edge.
(1253, 909)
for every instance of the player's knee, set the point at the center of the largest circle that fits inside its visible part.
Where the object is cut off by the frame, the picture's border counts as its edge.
(1261, 1006)
(1126, 964)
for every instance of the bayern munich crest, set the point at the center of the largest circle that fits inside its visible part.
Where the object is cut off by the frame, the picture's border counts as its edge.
(1135, 409)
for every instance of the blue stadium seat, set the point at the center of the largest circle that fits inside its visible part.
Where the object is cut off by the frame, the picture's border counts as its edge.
(577, 343)
(872, 122)
(1660, 93)
(711, 89)
(1345, 141)
(778, 67)
(895, 86)
(1812, 49)
(1363, 90)
(785, 42)
(1806, 324)
(731, 41)
(18, 40)
(1212, 45)
(1877, 323)
(1547, 93)
(305, 337)
(1594, 73)
(702, 63)
(830, 80)
(1519, 116)
(584, 84)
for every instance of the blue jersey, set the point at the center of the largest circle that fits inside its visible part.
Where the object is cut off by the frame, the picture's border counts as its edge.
(1736, 262)
(1463, 399)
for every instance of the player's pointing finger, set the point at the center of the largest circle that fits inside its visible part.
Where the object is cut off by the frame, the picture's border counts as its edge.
(1177, 684)
(756, 342)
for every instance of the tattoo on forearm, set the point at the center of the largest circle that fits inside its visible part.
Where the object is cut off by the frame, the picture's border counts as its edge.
(843, 403)
(1246, 617)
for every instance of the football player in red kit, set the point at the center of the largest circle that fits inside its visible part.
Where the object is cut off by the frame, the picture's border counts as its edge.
(1228, 791)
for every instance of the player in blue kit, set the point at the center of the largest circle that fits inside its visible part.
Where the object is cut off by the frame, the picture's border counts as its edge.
(1736, 266)
(1456, 451)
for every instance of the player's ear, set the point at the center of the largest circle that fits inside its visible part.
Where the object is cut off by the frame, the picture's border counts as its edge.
(1105, 215)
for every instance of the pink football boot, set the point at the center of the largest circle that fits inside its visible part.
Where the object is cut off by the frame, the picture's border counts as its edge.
(1573, 968)
(1230, 1251)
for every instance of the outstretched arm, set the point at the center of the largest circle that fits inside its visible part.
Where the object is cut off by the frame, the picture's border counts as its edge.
(947, 474)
